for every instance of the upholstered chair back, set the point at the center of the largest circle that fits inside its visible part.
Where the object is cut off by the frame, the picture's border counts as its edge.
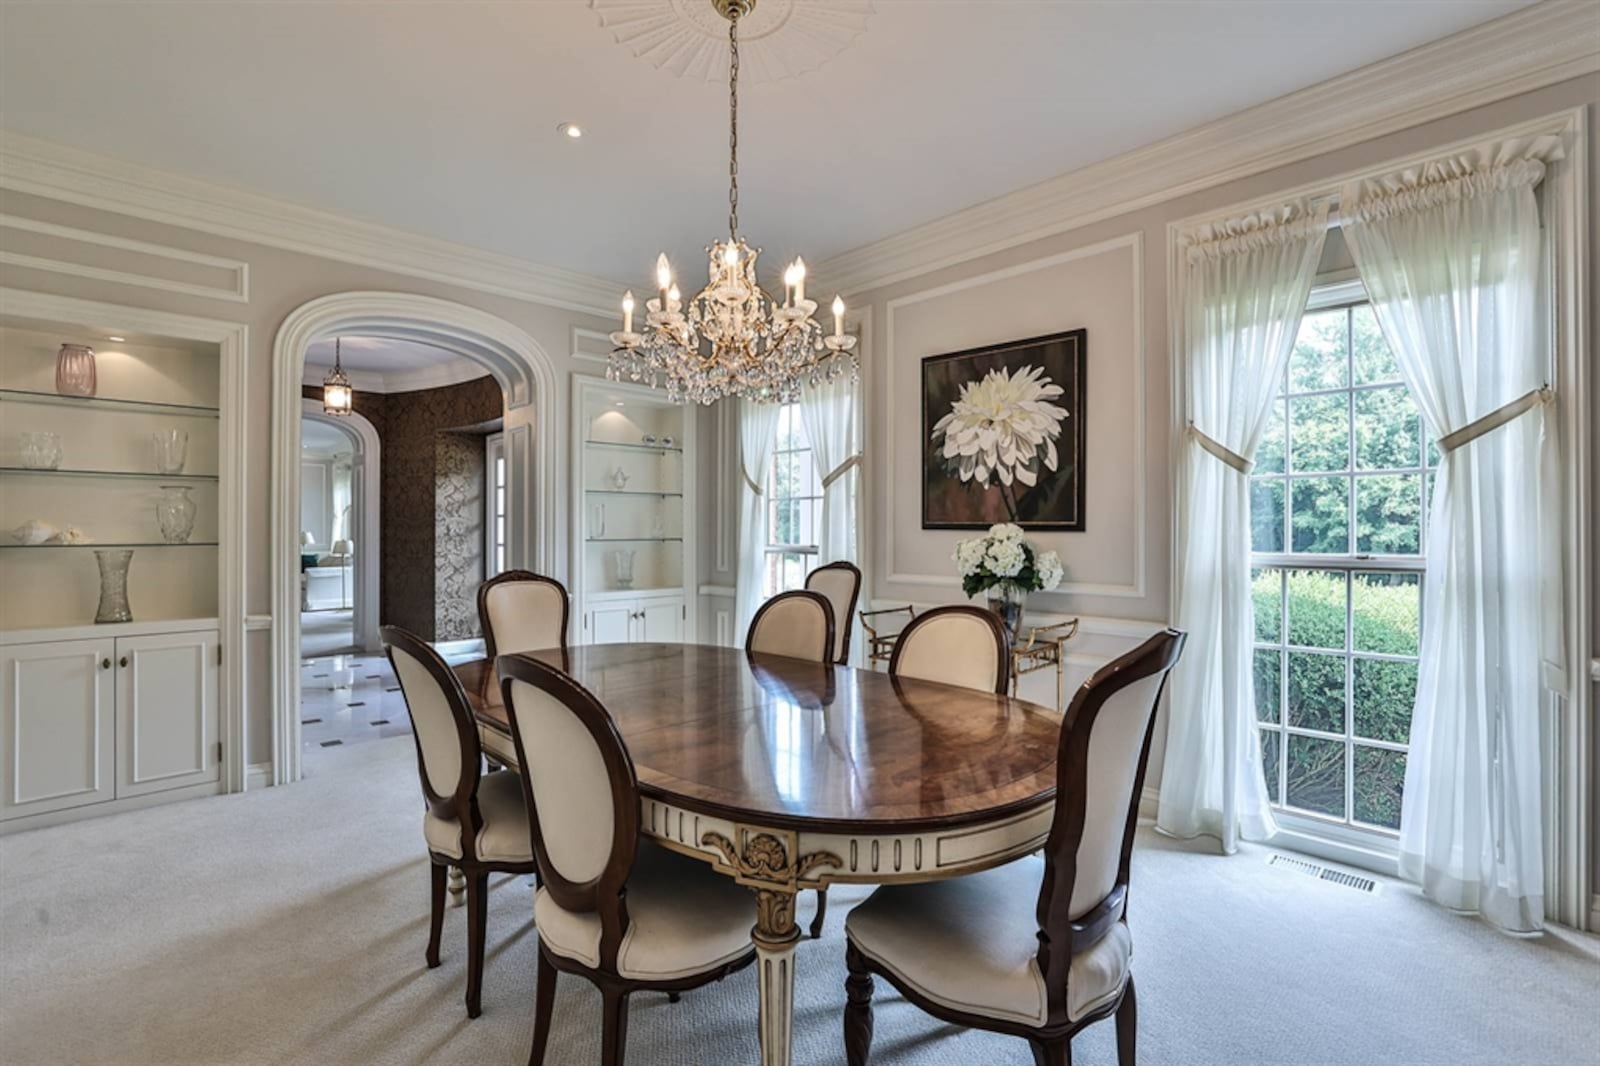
(797, 624)
(840, 584)
(580, 787)
(522, 611)
(1105, 745)
(441, 722)
(957, 645)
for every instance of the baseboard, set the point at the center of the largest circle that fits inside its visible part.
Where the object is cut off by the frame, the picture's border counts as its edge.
(258, 775)
(1149, 803)
(1594, 913)
(110, 806)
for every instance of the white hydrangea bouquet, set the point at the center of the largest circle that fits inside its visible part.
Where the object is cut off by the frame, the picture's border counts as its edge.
(1004, 565)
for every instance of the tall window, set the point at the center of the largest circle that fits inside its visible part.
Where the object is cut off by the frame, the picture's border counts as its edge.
(494, 495)
(1338, 516)
(794, 503)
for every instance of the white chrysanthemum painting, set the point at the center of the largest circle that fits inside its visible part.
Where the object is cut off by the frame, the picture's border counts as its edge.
(1003, 445)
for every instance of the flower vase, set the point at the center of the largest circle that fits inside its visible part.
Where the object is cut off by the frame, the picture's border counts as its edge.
(1007, 602)
(114, 586)
(175, 511)
(75, 372)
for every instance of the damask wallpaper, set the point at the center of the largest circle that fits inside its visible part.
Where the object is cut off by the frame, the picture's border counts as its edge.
(410, 426)
(458, 518)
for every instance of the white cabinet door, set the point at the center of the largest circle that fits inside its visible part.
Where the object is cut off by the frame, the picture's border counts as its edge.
(612, 623)
(56, 743)
(661, 621)
(166, 712)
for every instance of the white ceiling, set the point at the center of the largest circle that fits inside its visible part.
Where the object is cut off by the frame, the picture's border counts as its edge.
(381, 355)
(440, 118)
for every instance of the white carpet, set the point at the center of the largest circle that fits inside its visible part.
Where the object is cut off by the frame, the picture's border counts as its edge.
(287, 925)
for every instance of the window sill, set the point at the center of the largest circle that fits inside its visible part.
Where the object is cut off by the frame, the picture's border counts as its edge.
(1335, 843)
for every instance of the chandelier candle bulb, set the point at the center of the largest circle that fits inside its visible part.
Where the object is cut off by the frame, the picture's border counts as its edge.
(799, 280)
(663, 279)
(838, 316)
(627, 311)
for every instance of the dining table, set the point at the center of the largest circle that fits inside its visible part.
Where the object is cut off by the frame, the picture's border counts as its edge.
(786, 775)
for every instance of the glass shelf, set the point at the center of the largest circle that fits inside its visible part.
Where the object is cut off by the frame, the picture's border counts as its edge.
(660, 449)
(124, 544)
(631, 540)
(132, 475)
(632, 492)
(106, 403)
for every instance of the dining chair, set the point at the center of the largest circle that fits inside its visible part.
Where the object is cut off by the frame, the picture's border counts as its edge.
(1038, 948)
(476, 822)
(956, 645)
(625, 915)
(840, 582)
(798, 624)
(519, 611)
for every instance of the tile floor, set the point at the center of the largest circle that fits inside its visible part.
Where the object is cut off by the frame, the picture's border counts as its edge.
(348, 699)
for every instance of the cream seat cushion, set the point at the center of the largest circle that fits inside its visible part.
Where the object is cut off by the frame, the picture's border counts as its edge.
(684, 919)
(971, 944)
(497, 745)
(504, 837)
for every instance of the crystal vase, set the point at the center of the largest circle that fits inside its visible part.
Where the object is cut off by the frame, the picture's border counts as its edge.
(171, 448)
(175, 512)
(1007, 601)
(75, 375)
(114, 585)
(624, 564)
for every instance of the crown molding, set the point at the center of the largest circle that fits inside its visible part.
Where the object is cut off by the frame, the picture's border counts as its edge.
(1526, 50)
(58, 172)
(455, 372)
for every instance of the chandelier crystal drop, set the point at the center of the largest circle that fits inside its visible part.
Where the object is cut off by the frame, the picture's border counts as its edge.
(732, 338)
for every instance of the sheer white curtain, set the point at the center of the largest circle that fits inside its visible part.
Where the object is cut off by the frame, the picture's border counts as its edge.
(828, 412)
(758, 431)
(1245, 284)
(1450, 255)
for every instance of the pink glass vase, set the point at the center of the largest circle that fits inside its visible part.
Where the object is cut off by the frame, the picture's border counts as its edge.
(75, 370)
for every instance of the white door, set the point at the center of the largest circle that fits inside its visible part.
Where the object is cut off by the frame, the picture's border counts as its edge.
(661, 622)
(166, 712)
(57, 741)
(612, 623)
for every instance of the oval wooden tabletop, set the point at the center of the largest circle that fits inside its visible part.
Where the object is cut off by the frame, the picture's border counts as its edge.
(807, 745)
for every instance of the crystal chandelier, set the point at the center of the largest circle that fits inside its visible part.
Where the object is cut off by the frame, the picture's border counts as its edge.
(733, 339)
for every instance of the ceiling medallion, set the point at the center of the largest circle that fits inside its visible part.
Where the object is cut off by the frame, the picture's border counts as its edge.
(733, 338)
(780, 38)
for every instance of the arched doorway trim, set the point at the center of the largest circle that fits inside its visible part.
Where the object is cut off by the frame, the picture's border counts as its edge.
(366, 528)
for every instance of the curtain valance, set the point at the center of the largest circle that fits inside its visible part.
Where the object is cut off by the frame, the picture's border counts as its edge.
(1291, 222)
(1488, 168)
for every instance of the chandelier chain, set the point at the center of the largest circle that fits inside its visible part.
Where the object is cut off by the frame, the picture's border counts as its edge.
(733, 123)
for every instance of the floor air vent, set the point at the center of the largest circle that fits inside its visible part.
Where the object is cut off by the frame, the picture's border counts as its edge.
(1338, 877)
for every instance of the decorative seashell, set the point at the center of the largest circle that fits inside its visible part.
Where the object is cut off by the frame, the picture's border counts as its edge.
(72, 535)
(33, 531)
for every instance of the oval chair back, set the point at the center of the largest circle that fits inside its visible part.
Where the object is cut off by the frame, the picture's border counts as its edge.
(955, 645)
(441, 724)
(581, 791)
(522, 611)
(840, 583)
(1104, 749)
(797, 624)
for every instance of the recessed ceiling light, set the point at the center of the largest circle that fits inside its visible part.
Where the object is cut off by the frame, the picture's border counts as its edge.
(619, 403)
(570, 129)
(116, 340)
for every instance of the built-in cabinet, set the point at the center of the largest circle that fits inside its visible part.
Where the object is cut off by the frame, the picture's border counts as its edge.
(632, 523)
(94, 719)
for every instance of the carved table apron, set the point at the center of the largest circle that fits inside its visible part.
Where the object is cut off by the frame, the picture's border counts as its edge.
(788, 775)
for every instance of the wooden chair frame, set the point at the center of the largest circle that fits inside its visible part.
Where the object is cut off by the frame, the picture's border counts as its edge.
(462, 806)
(491, 651)
(606, 895)
(849, 615)
(1060, 937)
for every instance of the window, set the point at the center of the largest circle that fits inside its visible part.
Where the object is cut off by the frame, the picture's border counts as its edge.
(494, 517)
(1338, 520)
(794, 502)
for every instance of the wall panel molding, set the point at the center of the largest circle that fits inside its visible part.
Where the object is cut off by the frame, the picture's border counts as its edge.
(232, 282)
(1529, 49)
(1136, 589)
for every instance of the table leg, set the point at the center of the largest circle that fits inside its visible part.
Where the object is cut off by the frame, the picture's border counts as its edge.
(775, 936)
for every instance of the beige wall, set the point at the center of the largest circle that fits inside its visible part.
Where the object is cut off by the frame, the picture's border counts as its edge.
(279, 282)
(1082, 278)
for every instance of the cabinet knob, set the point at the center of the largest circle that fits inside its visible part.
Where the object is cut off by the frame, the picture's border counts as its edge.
(122, 661)
(105, 664)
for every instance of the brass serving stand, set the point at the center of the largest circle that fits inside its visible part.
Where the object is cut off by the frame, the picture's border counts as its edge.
(1042, 647)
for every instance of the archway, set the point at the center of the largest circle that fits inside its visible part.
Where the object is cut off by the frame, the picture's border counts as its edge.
(526, 377)
(365, 525)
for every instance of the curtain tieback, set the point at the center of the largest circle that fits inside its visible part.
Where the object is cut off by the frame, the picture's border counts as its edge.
(1495, 419)
(841, 470)
(1220, 450)
(755, 486)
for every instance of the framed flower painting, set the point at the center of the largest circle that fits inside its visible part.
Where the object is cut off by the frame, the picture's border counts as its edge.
(1003, 435)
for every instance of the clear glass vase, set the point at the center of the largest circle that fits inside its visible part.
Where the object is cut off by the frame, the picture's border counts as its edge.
(114, 585)
(624, 564)
(1007, 601)
(171, 447)
(41, 450)
(75, 373)
(175, 510)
